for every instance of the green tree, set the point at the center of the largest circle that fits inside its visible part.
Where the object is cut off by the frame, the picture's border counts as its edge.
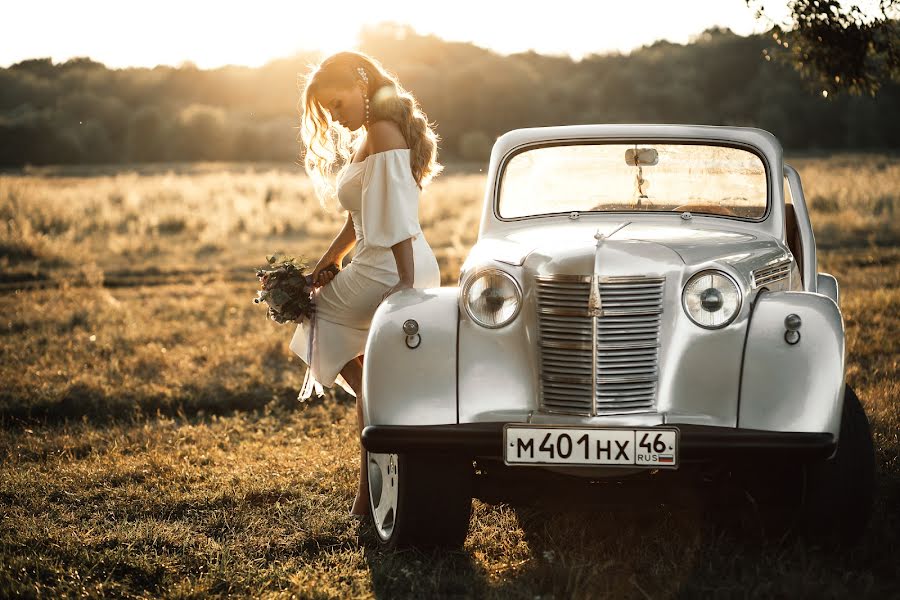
(202, 134)
(837, 46)
(148, 135)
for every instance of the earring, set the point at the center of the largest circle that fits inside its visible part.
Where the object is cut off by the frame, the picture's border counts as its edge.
(365, 78)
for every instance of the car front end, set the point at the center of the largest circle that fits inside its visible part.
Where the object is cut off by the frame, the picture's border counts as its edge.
(630, 308)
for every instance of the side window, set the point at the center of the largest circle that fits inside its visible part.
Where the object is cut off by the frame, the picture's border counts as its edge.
(788, 198)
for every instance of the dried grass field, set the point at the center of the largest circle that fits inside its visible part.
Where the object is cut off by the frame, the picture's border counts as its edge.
(152, 444)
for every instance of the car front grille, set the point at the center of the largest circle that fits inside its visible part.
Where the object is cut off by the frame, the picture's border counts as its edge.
(619, 367)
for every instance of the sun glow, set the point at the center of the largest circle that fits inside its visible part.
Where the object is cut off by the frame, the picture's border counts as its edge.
(212, 34)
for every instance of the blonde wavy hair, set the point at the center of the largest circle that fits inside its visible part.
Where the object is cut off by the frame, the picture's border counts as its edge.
(329, 146)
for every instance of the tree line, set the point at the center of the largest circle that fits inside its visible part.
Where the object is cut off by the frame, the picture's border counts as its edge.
(80, 111)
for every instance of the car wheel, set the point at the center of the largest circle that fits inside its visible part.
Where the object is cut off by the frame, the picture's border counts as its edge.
(838, 493)
(419, 500)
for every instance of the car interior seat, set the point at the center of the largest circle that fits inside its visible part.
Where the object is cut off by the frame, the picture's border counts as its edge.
(792, 235)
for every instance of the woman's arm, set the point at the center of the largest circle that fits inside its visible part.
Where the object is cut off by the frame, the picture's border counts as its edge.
(344, 241)
(340, 246)
(403, 254)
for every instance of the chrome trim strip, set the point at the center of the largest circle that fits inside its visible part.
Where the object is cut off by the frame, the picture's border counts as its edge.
(594, 355)
(601, 412)
(606, 312)
(610, 279)
(553, 278)
(632, 379)
(567, 345)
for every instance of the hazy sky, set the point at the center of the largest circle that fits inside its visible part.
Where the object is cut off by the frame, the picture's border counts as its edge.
(212, 34)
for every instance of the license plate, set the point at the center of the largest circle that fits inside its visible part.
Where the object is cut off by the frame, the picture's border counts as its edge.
(655, 447)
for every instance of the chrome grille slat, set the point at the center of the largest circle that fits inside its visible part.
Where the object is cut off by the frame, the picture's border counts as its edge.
(552, 354)
(635, 311)
(615, 375)
(614, 357)
(611, 347)
(629, 387)
(613, 322)
(572, 292)
(626, 402)
(566, 342)
(611, 287)
(555, 367)
(637, 335)
(772, 273)
(626, 355)
(623, 359)
(575, 304)
(562, 326)
(637, 396)
(631, 299)
(609, 407)
(569, 345)
(564, 311)
(619, 330)
(643, 366)
(561, 331)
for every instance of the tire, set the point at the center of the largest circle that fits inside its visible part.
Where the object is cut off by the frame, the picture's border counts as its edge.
(419, 501)
(838, 493)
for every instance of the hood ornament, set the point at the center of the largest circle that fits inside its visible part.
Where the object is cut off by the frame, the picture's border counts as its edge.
(595, 306)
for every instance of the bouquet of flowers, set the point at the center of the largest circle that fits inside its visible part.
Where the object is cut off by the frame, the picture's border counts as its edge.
(286, 289)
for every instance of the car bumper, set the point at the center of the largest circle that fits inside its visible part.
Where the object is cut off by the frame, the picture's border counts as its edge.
(699, 443)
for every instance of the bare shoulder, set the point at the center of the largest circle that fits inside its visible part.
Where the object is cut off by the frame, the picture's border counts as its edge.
(385, 135)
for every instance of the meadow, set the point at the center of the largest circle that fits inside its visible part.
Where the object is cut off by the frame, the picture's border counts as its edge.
(152, 444)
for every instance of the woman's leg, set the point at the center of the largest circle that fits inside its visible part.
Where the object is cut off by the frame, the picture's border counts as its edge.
(352, 373)
(363, 490)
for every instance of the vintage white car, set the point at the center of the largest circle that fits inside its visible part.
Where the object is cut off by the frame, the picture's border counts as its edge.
(642, 305)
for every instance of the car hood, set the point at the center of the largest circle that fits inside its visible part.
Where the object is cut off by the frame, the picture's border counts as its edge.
(638, 247)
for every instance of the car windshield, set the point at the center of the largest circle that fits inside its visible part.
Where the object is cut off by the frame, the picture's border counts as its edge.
(645, 177)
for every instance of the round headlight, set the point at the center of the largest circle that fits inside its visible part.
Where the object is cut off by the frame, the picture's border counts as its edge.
(492, 298)
(711, 299)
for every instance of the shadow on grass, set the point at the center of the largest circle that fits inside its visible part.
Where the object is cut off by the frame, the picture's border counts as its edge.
(86, 402)
(422, 574)
(584, 546)
(688, 551)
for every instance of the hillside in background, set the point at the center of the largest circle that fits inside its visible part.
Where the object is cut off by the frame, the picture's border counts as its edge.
(82, 112)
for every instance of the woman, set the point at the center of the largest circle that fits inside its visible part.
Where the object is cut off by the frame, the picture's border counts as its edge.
(350, 104)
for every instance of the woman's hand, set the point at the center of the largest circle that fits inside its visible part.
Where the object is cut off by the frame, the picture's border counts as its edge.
(401, 285)
(325, 270)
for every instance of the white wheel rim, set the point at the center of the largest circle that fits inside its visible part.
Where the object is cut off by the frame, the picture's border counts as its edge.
(383, 482)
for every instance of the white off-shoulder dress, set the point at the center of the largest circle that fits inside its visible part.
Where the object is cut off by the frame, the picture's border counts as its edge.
(383, 199)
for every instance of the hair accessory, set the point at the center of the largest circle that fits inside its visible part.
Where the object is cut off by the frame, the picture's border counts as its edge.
(365, 78)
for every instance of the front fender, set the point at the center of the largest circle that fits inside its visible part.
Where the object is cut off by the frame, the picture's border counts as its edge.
(404, 386)
(793, 387)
